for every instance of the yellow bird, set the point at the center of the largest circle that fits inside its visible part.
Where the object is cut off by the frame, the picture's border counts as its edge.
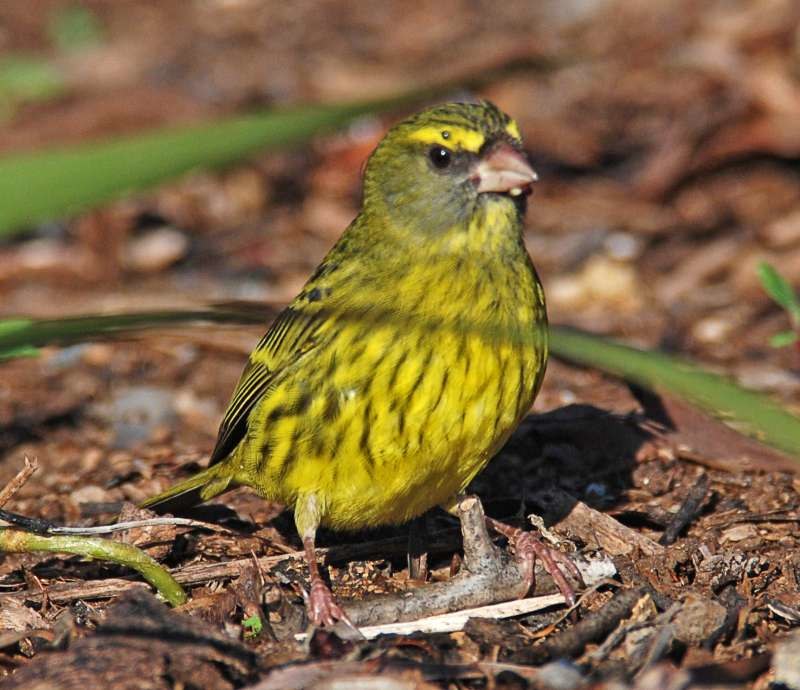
(411, 354)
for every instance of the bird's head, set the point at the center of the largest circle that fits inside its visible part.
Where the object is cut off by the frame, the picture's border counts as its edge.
(435, 170)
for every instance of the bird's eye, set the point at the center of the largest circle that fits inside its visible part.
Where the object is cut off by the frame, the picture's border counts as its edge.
(440, 157)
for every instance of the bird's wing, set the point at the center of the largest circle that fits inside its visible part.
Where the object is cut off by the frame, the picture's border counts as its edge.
(291, 335)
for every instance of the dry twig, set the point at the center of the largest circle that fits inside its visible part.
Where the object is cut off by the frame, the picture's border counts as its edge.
(689, 509)
(8, 491)
(596, 528)
(569, 642)
(39, 526)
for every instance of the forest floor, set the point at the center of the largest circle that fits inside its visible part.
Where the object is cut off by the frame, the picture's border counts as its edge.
(666, 136)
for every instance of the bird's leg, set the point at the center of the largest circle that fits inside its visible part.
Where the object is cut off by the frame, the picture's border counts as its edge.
(528, 546)
(417, 556)
(321, 606)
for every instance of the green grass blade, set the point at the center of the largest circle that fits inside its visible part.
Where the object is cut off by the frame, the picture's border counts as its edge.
(10, 326)
(39, 186)
(21, 335)
(749, 412)
(36, 187)
(8, 329)
(13, 353)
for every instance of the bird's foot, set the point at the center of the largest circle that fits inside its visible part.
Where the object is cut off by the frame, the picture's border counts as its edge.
(322, 607)
(528, 546)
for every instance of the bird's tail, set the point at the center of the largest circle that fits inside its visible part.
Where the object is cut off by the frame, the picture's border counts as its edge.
(200, 487)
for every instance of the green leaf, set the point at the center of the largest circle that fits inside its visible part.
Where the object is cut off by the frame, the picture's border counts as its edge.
(17, 335)
(73, 28)
(751, 413)
(252, 626)
(13, 353)
(9, 328)
(40, 186)
(783, 339)
(28, 79)
(777, 287)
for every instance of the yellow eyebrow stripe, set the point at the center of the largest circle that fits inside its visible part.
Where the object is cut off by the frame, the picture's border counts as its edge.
(457, 138)
(513, 130)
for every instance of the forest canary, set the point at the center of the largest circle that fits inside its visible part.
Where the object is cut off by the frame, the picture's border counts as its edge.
(409, 356)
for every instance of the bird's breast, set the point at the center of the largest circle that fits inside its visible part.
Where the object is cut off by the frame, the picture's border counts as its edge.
(406, 399)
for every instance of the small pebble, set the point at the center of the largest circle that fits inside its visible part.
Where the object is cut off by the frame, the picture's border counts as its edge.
(567, 396)
(623, 246)
(137, 413)
(712, 329)
(738, 533)
(602, 282)
(89, 494)
(66, 357)
(41, 254)
(559, 675)
(783, 232)
(155, 250)
(766, 377)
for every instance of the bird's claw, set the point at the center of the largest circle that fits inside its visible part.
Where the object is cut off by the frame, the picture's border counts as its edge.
(528, 546)
(322, 607)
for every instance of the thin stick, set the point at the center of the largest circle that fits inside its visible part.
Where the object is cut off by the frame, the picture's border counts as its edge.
(597, 624)
(39, 526)
(149, 522)
(8, 491)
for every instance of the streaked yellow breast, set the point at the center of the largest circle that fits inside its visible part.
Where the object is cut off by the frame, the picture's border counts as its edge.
(408, 395)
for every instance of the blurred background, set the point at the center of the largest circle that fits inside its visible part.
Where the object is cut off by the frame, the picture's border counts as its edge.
(666, 135)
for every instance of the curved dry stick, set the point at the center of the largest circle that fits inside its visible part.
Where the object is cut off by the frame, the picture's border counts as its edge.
(8, 491)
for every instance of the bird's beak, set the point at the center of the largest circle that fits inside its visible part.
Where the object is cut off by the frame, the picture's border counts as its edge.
(503, 169)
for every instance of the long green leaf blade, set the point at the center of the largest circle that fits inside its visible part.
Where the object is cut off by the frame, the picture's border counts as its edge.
(49, 184)
(751, 413)
(39, 186)
(17, 335)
